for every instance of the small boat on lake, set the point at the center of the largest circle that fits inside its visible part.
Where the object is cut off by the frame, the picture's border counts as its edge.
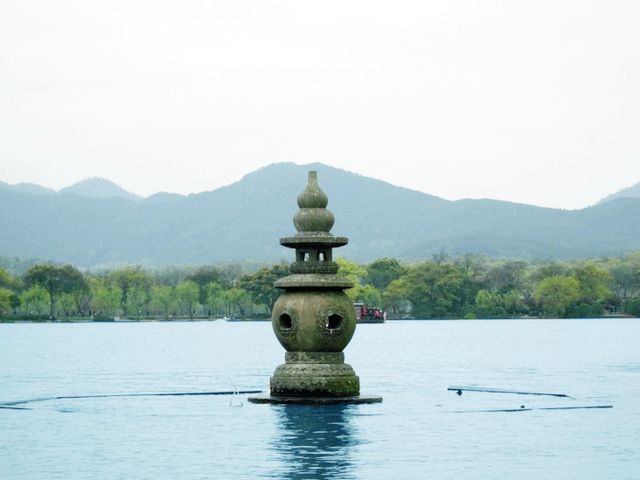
(366, 314)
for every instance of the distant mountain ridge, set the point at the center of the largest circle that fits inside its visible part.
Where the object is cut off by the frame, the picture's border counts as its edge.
(630, 192)
(94, 187)
(99, 188)
(33, 189)
(244, 220)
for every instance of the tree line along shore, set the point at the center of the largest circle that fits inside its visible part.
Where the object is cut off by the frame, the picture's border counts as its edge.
(469, 286)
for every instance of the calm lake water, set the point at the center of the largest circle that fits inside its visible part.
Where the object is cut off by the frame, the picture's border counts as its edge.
(420, 430)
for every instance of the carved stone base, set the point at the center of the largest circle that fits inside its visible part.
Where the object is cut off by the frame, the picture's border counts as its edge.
(307, 374)
(280, 400)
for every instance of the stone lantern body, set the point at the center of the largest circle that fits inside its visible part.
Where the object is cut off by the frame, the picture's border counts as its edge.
(314, 319)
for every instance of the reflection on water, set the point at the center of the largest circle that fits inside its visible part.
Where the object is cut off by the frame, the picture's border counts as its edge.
(315, 441)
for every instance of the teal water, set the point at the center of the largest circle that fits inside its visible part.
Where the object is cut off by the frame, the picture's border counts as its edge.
(420, 430)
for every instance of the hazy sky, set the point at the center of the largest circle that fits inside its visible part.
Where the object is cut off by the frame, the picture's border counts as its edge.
(528, 101)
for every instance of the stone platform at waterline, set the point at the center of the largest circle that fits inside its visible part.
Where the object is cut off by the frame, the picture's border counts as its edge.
(314, 319)
(281, 400)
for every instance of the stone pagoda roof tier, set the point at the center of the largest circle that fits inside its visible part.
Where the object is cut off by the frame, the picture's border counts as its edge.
(319, 281)
(311, 239)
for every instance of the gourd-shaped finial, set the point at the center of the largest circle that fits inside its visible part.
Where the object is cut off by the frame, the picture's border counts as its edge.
(313, 196)
(313, 217)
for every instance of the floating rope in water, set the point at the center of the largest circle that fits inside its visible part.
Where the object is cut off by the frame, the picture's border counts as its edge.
(528, 409)
(459, 391)
(161, 394)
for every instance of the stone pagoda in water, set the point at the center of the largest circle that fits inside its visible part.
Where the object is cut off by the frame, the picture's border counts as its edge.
(314, 319)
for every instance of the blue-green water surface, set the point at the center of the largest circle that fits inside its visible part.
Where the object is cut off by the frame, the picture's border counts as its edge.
(421, 430)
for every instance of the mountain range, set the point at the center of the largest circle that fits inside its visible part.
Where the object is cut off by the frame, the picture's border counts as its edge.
(97, 223)
(630, 192)
(95, 187)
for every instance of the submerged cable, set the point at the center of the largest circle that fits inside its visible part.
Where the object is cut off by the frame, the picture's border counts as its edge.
(528, 409)
(459, 391)
(107, 395)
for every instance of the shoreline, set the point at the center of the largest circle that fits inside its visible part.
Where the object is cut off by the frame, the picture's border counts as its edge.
(253, 320)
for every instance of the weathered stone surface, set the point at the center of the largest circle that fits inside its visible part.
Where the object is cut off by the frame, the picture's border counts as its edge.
(303, 376)
(315, 374)
(315, 281)
(313, 220)
(314, 357)
(294, 369)
(312, 196)
(306, 239)
(320, 400)
(325, 268)
(337, 386)
(314, 321)
(313, 215)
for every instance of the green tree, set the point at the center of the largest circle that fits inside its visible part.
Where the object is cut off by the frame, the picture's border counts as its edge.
(506, 276)
(5, 300)
(354, 272)
(396, 297)
(497, 305)
(556, 294)
(551, 269)
(237, 301)
(216, 299)
(351, 270)
(475, 268)
(512, 302)
(203, 276)
(9, 282)
(137, 300)
(163, 299)
(488, 304)
(66, 305)
(633, 307)
(229, 273)
(435, 290)
(82, 299)
(625, 282)
(55, 280)
(34, 301)
(105, 298)
(594, 283)
(367, 294)
(128, 279)
(381, 273)
(260, 284)
(188, 294)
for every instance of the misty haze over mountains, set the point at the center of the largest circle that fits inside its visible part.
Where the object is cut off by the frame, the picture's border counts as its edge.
(97, 223)
(629, 192)
(91, 187)
(97, 187)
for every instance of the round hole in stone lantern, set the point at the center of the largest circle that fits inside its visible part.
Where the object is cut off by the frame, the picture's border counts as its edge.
(333, 321)
(285, 321)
